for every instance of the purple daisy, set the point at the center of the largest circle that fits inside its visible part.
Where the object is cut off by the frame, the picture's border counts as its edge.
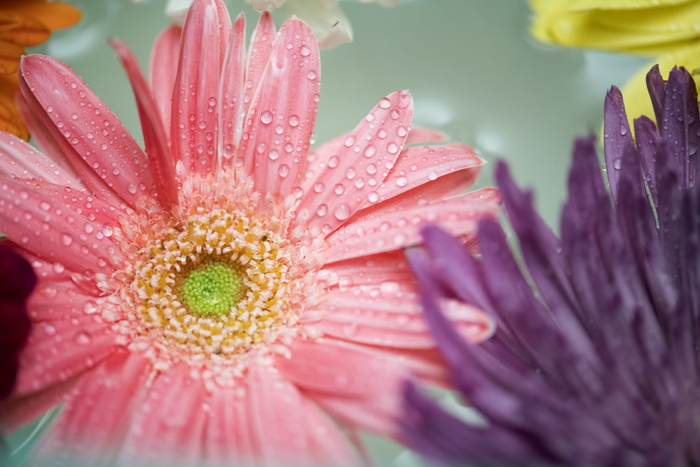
(595, 361)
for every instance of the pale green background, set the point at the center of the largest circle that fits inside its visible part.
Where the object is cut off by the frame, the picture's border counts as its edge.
(471, 66)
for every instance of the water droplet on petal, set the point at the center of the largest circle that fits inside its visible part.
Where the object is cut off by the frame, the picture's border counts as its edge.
(342, 212)
(266, 117)
(333, 162)
(82, 338)
(293, 120)
(283, 170)
(401, 181)
(90, 307)
(66, 240)
(384, 103)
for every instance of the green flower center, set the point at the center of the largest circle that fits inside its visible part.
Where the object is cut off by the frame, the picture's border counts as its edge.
(212, 290)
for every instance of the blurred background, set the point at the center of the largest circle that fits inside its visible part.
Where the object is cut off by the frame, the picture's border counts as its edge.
(473, 69)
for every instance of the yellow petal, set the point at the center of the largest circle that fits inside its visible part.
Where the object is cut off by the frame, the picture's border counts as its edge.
(582, 5)
(642, 31)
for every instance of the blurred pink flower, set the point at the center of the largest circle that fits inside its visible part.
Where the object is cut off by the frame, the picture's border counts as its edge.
(231, 297)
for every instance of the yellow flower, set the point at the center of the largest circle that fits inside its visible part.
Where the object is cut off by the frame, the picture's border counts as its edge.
(668, 30)
(25, 23)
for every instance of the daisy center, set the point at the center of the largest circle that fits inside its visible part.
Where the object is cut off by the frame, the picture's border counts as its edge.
(212, 290)
(216, 283)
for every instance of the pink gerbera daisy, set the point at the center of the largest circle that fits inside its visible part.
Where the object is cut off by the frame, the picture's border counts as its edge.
(234, 296)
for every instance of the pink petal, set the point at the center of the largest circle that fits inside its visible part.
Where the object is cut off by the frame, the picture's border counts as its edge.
(422, 135)
(194, 133)
(375, 316)
(329, 445)
(17, 411)
(348, 180)
(420, 165)
(231, 95)
(372, 270)
(281, 116)
(54, 231)
(82, 202)
(229, 436)
(277, 418)
(170, 424)
(400, 229)
(258, 55)
(60, 349)
(42, 136)
(355, 384)
(90, 428)
(155, 141)
(163, 71)
(20, 160)
(390, 315)
(98, 146)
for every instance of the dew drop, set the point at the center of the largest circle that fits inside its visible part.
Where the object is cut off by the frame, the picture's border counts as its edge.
(293, 121)
(90, 307)
(322, 210)
(401, 181)
(304, 51)
(392, 148)
(342, 212)
(319, 187)
(384, 103)
(266, 117)
(432, 175)
(66, 240)
(333, 162)
(283, 170)
(58, 268)
(311, 74)
(339, 189)
(274, 155)
(370, 150)
(82, 338)
(349, 141)
(373, 197)
(623, 130)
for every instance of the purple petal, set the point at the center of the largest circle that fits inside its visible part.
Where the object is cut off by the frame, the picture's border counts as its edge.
(617, 135)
